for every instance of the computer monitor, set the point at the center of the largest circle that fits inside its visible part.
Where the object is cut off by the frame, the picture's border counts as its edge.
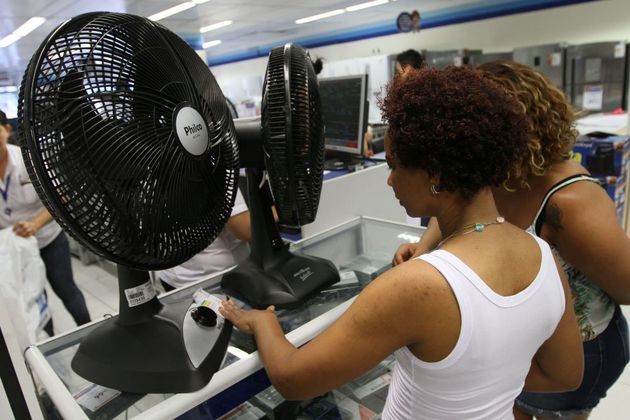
(345, 111)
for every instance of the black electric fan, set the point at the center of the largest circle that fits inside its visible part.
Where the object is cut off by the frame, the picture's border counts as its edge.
(130, 144)
(292, 133)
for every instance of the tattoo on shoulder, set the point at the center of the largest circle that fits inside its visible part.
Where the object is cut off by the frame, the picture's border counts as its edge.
(553, 217)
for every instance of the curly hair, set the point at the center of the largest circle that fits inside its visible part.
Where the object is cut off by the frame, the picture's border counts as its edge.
(550, 117)
(455, 125)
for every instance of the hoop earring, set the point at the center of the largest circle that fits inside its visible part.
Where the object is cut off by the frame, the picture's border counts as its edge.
(434, 190)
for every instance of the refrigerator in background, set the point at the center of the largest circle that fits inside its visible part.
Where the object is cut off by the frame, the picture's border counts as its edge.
(548, 59)
(596, 76)
(480, 57)
(442, 59)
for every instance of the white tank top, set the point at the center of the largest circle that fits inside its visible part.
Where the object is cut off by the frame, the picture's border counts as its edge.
(498, 338)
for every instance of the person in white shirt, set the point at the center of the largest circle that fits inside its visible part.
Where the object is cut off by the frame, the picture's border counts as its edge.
(471, 323)
(21, 208)
(228, 249)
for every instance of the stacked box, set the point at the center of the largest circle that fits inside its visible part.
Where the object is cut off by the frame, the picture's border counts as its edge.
(368, 267)
(621, 188)
(602, 157)
(607, 159)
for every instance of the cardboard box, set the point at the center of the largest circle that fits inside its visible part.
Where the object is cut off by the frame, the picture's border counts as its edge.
(607, 158)
(622, 188)
(601, 156)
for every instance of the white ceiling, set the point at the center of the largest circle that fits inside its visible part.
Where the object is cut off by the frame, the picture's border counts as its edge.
(257, 23)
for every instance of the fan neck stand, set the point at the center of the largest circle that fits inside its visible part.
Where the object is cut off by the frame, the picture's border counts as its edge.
(272, 275)
(144, 349)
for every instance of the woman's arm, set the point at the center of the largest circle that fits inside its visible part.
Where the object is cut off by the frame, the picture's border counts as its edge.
(382, 319)
(26, 228)
(558, 365)
(431, 237)
(240, 226)
(581, 222)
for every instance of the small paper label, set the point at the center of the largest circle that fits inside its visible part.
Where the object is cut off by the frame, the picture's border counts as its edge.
(245, 411)
(370, 269)
(620, 50)
(373, 386)
(355, 410)
(555, 59)
(347, 277)
(95, 396)
(593, 97)
(140, 294)
(44, 310)
(214, 302)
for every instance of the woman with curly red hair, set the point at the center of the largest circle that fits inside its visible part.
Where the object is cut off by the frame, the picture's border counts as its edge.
(554, 197)
(466, 320)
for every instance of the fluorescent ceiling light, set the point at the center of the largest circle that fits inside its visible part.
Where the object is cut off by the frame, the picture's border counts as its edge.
(211, 43)
(365, 5)
(215, 26)
(8, 89)
(29, 26)
(320, 16)
(8, 40)
(172, 11)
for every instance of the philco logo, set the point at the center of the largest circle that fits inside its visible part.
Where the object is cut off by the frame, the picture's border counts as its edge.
(304, 273)
(192, 129)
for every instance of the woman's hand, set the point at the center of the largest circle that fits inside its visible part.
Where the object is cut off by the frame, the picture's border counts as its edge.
(430, 239)
(407, 252)
(243, 320)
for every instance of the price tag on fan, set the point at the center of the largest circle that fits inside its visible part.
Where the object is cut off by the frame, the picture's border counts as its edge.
(212, 301)
(140, 294)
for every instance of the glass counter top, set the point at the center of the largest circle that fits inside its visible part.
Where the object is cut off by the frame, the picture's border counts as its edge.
(361, 249)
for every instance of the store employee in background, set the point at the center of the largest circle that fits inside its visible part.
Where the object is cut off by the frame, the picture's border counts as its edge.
(228, 249)
(466, 320)
(408, 60)
(21, 208)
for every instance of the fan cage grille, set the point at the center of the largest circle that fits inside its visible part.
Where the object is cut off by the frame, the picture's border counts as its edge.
(294, 144)
(96, 119)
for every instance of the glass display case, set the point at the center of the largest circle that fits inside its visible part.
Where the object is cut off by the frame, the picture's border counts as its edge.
(361, 248)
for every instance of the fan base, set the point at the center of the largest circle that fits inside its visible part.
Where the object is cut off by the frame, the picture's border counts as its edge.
(147, 357)
(286, 283)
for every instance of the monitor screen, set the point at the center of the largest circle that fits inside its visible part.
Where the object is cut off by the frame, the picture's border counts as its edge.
(345, 112)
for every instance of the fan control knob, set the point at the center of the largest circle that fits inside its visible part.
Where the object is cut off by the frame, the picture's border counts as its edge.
(204, 316)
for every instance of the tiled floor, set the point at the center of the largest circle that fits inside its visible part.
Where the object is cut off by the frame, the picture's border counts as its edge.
(616, 405)
(100, 290)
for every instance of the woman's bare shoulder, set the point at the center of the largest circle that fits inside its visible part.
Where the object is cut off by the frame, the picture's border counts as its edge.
(406, 296)
(562, 170)
(413, 281)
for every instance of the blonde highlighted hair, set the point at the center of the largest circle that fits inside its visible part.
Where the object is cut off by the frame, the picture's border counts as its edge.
(550, 117)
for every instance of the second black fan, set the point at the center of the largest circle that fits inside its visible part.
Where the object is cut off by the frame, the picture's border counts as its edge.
(292, 133)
